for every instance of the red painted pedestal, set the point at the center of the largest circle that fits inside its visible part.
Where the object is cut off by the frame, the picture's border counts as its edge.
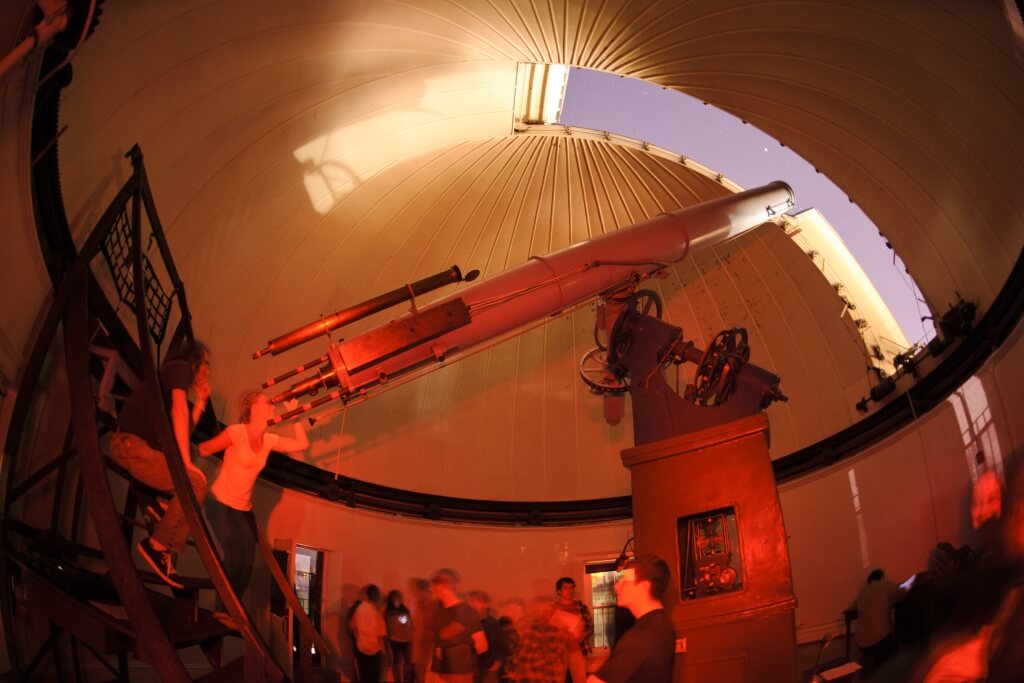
(749, 634)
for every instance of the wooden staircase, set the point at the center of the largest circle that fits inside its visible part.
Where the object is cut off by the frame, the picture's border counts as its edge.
(71, 593)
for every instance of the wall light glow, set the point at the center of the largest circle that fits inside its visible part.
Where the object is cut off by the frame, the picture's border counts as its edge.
(862, 534)
(977, 428)
(540, 89)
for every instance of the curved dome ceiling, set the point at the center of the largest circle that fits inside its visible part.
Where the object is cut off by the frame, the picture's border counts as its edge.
(307, 156)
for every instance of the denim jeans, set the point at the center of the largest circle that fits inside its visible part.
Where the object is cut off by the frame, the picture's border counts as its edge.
(234, 533)
(149, 466)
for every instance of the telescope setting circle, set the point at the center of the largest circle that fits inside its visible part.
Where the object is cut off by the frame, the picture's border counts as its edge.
(599, 376)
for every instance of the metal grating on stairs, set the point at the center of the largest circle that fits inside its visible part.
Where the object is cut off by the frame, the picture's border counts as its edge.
(117, 249)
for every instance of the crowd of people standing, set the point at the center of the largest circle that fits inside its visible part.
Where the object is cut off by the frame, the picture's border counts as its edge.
(452, 637)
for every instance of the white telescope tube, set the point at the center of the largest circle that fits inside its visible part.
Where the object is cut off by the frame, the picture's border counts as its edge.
(546, 285)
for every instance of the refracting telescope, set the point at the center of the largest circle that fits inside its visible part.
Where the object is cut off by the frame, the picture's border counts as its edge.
(545, 286)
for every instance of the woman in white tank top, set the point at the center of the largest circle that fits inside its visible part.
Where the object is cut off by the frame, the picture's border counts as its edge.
(229, 503)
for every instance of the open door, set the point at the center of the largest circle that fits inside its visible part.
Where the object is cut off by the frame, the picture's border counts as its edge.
(307, 579)
(305, 569)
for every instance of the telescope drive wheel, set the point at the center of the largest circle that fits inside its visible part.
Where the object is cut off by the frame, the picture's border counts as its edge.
(715, 380)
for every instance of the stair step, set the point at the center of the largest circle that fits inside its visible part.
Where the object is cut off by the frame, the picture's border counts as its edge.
(98, 628)
(229, 673)
(185, 625)
(96, 616)
(190, 583)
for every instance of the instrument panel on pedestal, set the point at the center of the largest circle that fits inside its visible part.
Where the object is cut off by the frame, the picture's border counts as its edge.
(709, 554)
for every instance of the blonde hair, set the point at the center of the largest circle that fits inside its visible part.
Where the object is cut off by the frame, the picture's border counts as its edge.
(248, 401)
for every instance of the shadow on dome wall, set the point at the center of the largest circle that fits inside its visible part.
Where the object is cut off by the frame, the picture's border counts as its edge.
(370, 136)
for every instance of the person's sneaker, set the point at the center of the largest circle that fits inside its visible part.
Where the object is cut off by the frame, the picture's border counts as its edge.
(160, 561)
(156, 511)
(172, 572)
